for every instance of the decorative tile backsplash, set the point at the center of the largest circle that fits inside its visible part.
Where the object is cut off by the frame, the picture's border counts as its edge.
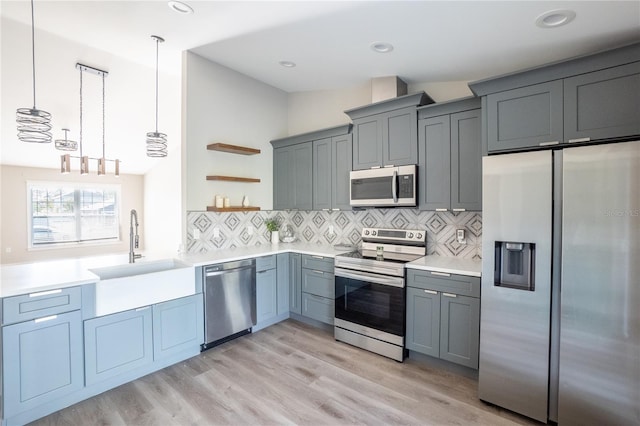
(225, 230)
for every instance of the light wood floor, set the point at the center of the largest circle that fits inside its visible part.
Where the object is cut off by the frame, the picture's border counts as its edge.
(289, 373)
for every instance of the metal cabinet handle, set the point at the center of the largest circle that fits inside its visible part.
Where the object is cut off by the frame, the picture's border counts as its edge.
(549, 143)
(317, 257)
(579, 140)
(43, 319)
(449, 295)
(45, 293)
(317, 272)
(261, 272)
(441, 274)
(431, 292)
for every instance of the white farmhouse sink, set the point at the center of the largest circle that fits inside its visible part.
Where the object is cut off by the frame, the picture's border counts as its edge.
(134, 285)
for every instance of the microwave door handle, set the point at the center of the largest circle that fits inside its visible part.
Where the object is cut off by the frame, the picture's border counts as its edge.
(394, 186)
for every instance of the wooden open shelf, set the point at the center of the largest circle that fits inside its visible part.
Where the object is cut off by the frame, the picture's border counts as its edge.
(233, 179)
(234, 149)
(232, 209)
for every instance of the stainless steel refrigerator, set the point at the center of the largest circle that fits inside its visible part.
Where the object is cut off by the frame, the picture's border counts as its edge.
(560, 316)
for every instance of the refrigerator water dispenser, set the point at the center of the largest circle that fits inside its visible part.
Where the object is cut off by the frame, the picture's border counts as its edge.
(515, 265)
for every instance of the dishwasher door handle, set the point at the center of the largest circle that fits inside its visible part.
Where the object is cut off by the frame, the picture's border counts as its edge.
(216, 273)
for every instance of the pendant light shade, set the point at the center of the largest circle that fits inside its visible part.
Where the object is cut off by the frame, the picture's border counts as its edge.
(66, 144)
(34, 125)
(156, 141)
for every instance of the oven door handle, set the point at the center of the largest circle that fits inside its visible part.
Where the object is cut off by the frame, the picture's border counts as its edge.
(367, 277)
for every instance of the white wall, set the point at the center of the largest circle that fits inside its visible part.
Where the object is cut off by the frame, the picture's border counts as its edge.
(222, 105)
(14, 214)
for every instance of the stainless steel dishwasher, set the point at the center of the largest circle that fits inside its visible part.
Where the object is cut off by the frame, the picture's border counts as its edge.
(229, 301)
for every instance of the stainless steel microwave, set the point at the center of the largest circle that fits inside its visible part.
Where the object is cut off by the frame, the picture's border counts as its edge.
(384, 187)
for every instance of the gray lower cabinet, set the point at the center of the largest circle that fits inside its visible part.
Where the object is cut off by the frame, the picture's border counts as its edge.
(266, 295)
(450, 166)
(318, 288)
(443, 316)
(295, 283)
(118, 343)
(42, 361)
(332, 159)
(283, 280)
(292, 177)
(178, 325)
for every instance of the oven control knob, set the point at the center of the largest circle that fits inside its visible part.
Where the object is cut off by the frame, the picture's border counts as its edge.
(419, 235)
(366, 232)
(373, 232)
(410, 235)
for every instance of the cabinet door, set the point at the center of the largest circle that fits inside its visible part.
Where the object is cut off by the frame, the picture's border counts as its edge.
(117, 343)
(178, 325)
(435, 163)
(283, 283)
(423, 321)
(302, 176)
(322, 174)
(282, 178)
(525, 117)
(341, 161)
(466, 161)
(266, 295)
(318, 308)
(42, 361)
(460, 329)
(295, 283)
(400, 137)
(367, 142)
(603, 104)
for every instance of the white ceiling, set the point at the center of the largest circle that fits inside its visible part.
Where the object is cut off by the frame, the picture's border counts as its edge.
(329, 40)
(434, 41)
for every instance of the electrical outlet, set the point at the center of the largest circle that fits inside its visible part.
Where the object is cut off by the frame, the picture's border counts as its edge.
(216, 232)
(196, 234)
(460, 236)
(250, 229)
(8, 250)
(331, 230)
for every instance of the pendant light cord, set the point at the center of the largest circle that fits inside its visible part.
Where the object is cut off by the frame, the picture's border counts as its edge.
(103, 156)
(80, 112)
(33, 55)
(157, 48)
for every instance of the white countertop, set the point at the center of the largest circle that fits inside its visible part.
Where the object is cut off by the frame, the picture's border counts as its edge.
(451, 265)
(26, 278)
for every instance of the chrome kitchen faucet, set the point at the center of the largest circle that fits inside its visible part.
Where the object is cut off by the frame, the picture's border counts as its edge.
(134, 240)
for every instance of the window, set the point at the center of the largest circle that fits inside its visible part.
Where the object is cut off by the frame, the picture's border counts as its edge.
(62, 213)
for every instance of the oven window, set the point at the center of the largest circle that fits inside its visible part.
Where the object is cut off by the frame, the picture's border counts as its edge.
(371, 188)
(377, 306)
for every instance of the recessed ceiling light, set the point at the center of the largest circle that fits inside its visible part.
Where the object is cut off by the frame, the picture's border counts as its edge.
(180, 7)
(381, 47)
(287, 64)
(555, 18)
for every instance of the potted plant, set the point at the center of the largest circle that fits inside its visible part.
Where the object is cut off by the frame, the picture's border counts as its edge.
(273, 226)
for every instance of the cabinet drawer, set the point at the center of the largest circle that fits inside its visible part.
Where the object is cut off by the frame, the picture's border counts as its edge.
(319, 263)
(265, 262)
(318, 282)
(318, 308)
(439, 281)
(40, 304)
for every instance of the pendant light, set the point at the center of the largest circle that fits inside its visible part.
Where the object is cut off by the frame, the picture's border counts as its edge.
(66, 144)
(34, 124)
(156, 142)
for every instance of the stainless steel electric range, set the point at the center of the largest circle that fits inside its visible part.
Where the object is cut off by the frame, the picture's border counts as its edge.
(370, 290)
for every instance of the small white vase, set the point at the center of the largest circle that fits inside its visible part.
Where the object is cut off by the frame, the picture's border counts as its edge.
(275, 237)
(245, 201)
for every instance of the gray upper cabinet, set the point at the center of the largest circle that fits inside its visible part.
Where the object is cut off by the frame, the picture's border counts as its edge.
(331, 167)
(450, 162)
(603, 104)
(526, 117)
(305, 167)
(589, 98)
(385, 133)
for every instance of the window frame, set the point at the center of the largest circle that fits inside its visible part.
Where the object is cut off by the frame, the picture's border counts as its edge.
(77, 187)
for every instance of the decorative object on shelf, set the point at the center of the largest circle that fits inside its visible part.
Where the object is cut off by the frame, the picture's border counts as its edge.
(227, 202)
(34, 124)
(219, 203)
(273, 226)
(66, 144)
(245, 201)
(65, 160)
(156, 142)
